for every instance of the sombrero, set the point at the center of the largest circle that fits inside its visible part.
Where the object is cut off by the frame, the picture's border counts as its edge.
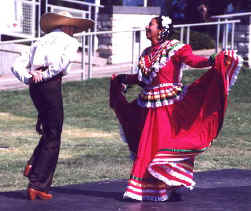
(50, 21)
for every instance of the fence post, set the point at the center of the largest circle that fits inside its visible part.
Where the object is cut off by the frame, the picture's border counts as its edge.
(83, 58)
(33, 29)
(39, 18)
(182, 34)
(188, 35)
(139, 43)
(217, 36)
(133, 41)
(46, 6)
(232, 39)
(227, 31)
(225, 36)
(89, 56)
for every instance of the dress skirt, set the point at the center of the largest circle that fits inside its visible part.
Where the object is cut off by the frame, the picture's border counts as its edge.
(165, 140)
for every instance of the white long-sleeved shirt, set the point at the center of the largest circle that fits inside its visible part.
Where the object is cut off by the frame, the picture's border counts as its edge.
(56, 50)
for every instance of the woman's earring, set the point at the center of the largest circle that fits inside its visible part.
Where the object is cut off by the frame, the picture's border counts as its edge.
(159, 36)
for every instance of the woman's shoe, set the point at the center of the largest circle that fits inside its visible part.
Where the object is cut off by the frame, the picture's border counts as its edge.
(33, 194)
(27, 170)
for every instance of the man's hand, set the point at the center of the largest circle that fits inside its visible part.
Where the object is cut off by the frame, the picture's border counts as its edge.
(36, 76)
(211, 59)
(141, 64)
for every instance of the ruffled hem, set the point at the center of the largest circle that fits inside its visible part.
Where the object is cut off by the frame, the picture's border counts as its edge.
(146, 198)
(141, 191)
(167, 181)
(236, 71)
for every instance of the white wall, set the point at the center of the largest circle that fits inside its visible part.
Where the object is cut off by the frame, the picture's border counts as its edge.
(122, 42)
(11, 16)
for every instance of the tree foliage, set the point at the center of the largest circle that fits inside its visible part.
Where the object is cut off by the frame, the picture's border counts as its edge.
(202, 10)
(188, 11)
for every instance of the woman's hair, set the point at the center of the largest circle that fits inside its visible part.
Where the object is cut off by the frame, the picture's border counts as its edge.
(166, 31)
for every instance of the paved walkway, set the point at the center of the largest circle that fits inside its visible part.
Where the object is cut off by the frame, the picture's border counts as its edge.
(221, 190)
(100, 69)
(9, 82)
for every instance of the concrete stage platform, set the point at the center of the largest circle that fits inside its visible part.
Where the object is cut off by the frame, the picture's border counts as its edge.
(228, 190)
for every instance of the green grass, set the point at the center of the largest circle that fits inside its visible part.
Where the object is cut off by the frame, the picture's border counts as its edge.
(91, 146)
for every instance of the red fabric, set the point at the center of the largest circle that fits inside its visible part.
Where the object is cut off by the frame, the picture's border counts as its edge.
(185, 55)
(190, 124)
(172, 70)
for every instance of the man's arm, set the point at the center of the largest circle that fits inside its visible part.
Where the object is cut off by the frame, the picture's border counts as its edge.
(20, 69)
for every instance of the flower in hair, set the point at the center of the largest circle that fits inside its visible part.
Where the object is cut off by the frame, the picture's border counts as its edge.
(166, 21)
(167, 29)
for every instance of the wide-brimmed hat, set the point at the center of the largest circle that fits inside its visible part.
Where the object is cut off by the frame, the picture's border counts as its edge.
(50, 21)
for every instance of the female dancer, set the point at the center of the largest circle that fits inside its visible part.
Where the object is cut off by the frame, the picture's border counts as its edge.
(169, 124)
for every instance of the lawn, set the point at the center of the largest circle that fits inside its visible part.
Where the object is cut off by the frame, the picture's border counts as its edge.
(91, 146)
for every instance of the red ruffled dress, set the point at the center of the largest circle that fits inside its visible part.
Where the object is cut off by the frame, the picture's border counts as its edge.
(169, 124)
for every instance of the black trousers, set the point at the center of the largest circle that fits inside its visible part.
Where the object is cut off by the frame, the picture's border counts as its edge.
(47, 98)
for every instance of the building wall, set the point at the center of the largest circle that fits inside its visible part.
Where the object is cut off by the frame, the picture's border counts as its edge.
(117, 47)
(8, 54)
(122, 43)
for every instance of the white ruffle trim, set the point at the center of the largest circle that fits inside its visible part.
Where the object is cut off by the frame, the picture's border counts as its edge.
(167, 181)
(147, 104)
(174, 45)
(130, 195)
(236, 71)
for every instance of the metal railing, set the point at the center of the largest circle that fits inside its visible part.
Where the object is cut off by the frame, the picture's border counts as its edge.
(218, 23)
(183, 27)
(89, 36)
(87, 43)
(226, 27)
(32, 10)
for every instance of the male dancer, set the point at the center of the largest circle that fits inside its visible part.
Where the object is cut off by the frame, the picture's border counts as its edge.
(49, 59)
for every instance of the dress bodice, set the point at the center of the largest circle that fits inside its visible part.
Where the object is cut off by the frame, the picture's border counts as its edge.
(161, 69)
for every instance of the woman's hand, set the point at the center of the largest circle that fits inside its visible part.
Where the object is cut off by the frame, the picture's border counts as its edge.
(141, 64)
(211, 59)
(123, 81)
(36, 76)
(122, 78)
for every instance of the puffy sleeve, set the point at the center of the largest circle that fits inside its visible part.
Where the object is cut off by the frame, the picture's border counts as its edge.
(20, 68)
(185, 55)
